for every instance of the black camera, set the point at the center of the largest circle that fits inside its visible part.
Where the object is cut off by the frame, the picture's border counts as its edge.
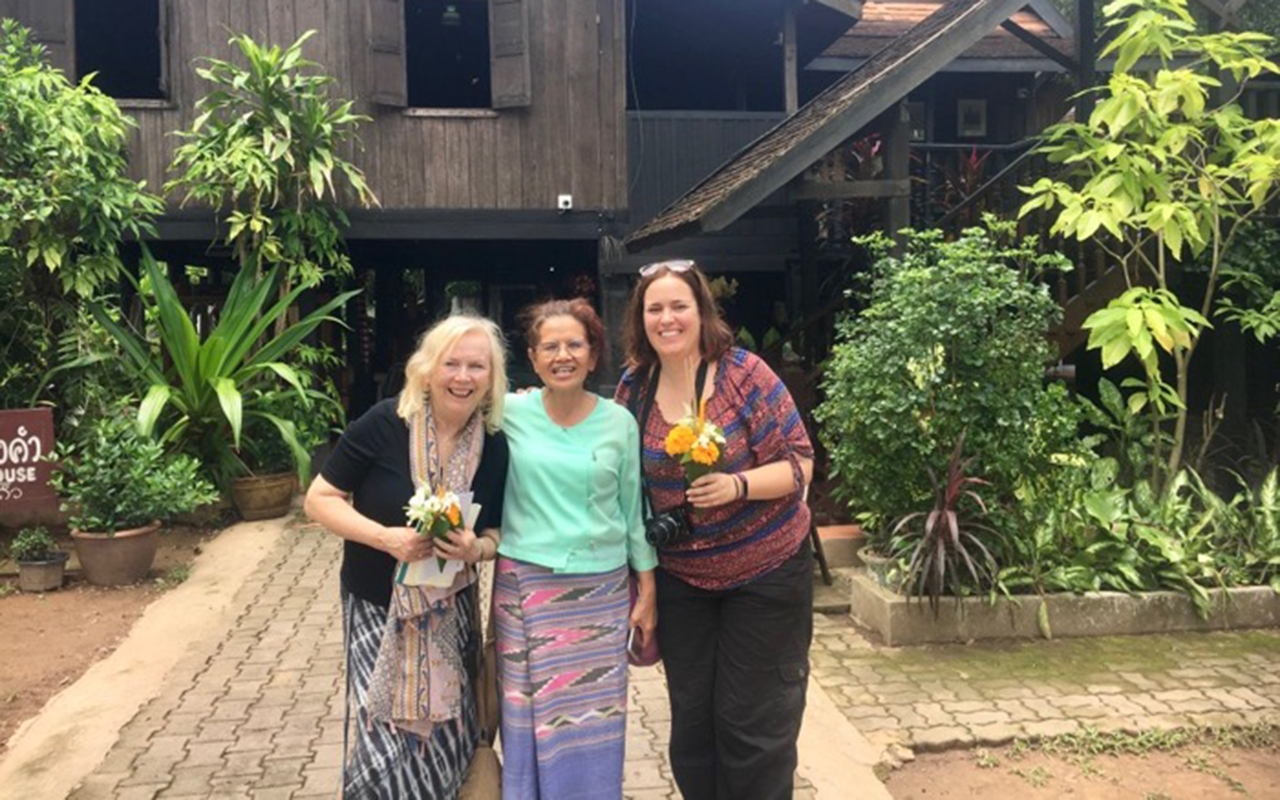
(668, 528)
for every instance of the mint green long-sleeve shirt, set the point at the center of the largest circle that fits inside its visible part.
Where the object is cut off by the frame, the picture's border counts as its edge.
(572, 500)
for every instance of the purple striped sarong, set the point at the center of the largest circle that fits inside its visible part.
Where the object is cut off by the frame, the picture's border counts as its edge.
(563, 676)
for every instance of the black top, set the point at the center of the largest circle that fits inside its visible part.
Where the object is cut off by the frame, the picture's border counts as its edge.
(371, 461)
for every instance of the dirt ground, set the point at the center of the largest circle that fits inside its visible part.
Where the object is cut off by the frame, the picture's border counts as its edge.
(51, 639)
(1190, 773)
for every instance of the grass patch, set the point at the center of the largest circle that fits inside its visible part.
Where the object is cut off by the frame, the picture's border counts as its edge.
(174, 577)
(1201, 747)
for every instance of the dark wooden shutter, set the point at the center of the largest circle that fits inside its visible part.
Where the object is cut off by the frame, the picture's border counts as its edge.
(51, 22)
(509, 53)
(387, 71)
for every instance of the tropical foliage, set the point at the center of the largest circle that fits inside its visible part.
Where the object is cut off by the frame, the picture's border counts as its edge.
(33, 544)
(952, 339)
(65, 205)
(116, 478)
(204, 389)
(1167, 169)
(267, 147)
(944, 547)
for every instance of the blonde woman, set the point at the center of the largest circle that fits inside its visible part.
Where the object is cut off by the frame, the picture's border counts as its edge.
(408, 688)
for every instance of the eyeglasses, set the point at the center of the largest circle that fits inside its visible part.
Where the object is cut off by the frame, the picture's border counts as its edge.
(675, 265)
(576, 348)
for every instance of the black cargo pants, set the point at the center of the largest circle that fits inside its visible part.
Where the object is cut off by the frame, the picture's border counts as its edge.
(737, 664)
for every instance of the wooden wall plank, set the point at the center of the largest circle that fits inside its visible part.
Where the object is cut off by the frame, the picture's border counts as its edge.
(457, 174)
(510, 182)
(281, 25)
(309, 15)
(582, 158)
(481, 135)
(436, 164)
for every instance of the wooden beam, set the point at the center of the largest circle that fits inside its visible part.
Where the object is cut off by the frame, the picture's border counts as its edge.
(1054, 18)
(1226, 10)
(790, 65)
(851, 8)
(851, 190)
(1040, 45)
(897, 168)
(1087, 52)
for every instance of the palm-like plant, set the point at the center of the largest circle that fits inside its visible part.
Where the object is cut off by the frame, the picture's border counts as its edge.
(945, 554)
(207, 388)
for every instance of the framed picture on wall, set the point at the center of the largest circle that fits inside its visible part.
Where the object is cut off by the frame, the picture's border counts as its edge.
(971, 117)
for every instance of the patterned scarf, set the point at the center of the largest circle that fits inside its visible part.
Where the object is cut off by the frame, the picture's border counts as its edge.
(420, 671)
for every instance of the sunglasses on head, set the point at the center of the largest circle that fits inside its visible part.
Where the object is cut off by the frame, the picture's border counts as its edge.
(676, 265)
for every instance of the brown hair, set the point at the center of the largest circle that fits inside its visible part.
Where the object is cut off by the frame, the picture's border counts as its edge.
(716, 337)
(578, 308)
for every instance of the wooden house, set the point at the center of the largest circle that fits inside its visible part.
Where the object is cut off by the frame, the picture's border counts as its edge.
(519, 143)
(500, 129)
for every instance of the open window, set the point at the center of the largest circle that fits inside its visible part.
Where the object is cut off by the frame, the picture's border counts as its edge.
(449, 53)
(124, 42)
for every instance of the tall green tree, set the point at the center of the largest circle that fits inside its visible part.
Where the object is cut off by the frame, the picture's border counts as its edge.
(66, 202)
(1167, 169)
(267, 148)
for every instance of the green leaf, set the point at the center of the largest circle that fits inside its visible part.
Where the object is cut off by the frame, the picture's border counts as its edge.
(151, 407)
(232, 404)
(1042, 620)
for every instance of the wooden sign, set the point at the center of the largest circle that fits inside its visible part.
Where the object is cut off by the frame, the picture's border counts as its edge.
(26, 437)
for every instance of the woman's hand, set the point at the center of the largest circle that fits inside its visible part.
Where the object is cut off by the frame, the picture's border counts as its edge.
(644, 615)
(460, 545)
(713, 489)
(406, 544)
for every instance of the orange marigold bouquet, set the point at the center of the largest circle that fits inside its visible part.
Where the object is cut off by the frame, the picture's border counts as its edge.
(434, 513)
(696, 442)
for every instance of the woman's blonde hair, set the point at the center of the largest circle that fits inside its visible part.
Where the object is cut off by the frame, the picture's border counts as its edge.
(435, 345)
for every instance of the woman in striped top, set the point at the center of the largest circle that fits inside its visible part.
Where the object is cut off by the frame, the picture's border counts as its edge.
(735, 596)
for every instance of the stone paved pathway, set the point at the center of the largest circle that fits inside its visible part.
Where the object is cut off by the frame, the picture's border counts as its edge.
(257, 712)
(942, 696)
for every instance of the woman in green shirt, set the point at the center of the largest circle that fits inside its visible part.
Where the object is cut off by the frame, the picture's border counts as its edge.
(571, 527)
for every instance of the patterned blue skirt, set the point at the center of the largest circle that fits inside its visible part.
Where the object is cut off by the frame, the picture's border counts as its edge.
(384, 762)
(563, 675)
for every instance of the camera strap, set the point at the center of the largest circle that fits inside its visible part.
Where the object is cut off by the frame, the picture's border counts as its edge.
(646, 408)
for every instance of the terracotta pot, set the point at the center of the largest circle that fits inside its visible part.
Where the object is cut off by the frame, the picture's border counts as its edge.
(264, 496)
(44, 575)
(116, 560)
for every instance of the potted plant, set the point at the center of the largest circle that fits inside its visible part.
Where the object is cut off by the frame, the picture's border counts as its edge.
(876, 556)
(463, 296)
(40, 563)
(949, 338)
(117, 486)
(266, 489)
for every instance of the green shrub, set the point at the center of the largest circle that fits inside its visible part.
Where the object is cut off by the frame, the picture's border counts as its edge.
(115, 478)
(33, 544)
(952, 340)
